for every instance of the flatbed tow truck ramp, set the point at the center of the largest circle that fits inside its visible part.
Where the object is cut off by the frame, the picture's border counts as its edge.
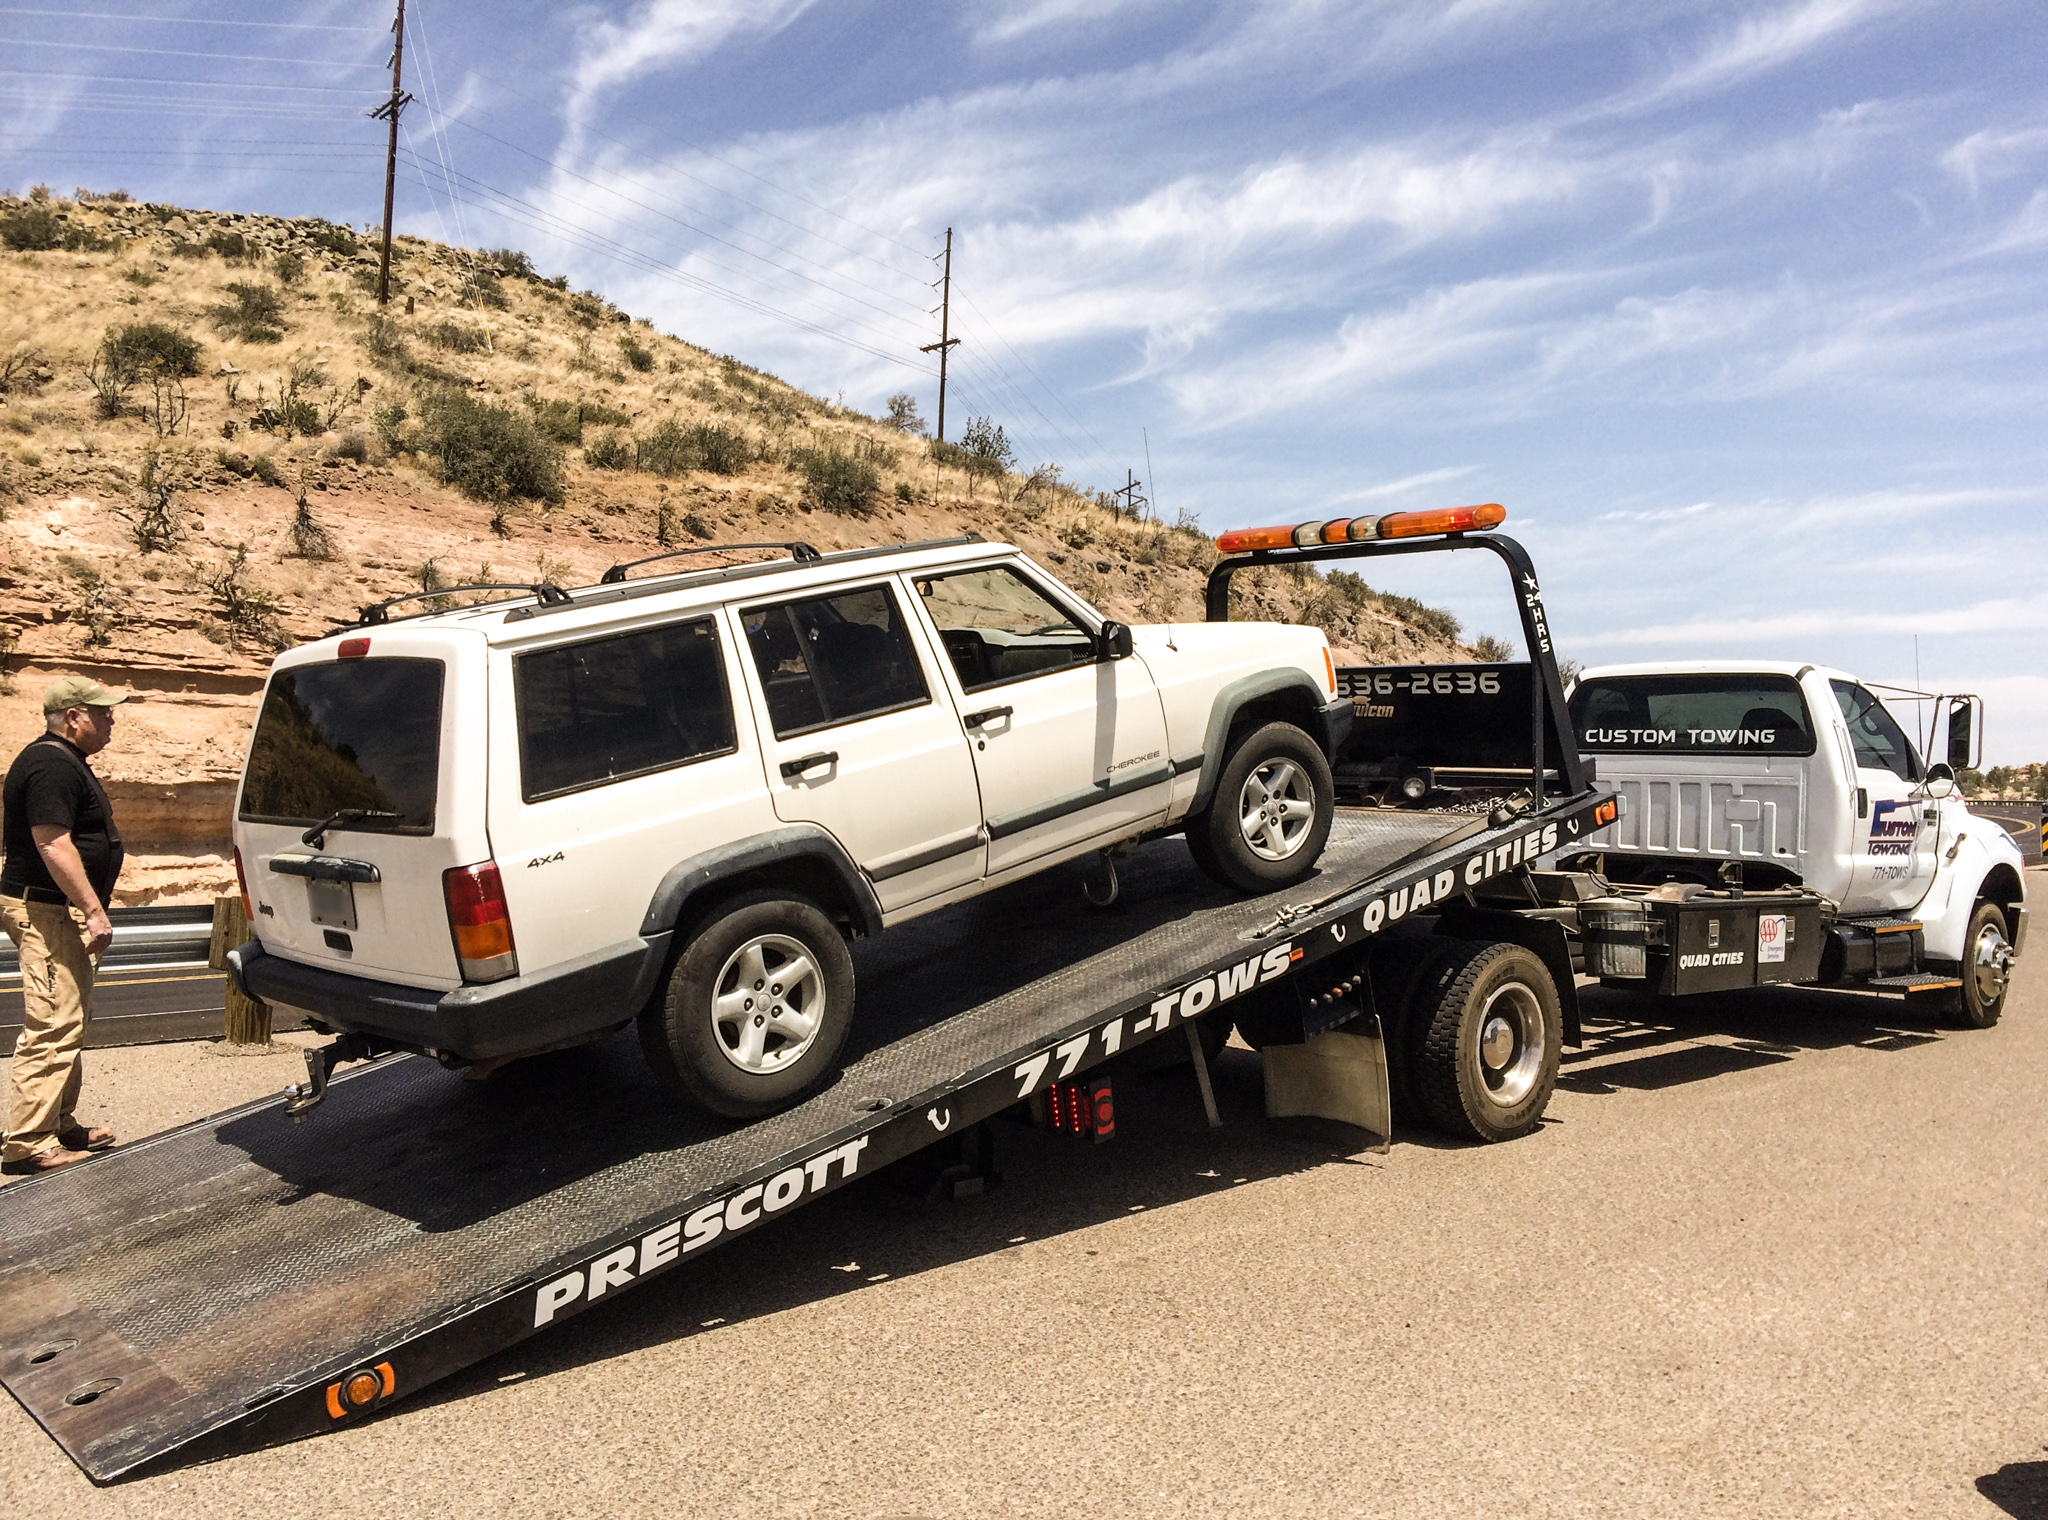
(244, 1280)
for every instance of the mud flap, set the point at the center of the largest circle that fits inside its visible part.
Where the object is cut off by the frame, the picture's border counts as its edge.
(1339, 1075)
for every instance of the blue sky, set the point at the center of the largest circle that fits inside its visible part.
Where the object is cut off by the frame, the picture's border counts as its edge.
(1740, 308)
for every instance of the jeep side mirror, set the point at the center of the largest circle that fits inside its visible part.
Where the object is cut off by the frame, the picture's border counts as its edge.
(1115, 641)
(1959, 735)
(1940, 781)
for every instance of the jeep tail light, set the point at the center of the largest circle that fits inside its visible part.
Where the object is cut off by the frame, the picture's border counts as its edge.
(480, 923)
(1358, 530)
(242, 881)
(353, 649)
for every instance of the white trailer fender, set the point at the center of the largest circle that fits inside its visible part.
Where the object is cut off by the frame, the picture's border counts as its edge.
(1979, 849)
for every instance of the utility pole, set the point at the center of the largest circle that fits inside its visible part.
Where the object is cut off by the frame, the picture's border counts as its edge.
(389, 112)
(1128, 491)
(946, 343)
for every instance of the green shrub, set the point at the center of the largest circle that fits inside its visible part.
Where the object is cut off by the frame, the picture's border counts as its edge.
(384, 341)
(253, 313)
(597, 413)
(334, 239)
(32, 229)
(135, 275)
(561, 421)
(288, 267)
(510, 262)
(672, 449)
(483, 289)
(587, 309)
(232, 246)
(456, 337)
(266, 470)
(156, 343)
(488, 452)
(614, 451)
(636, 353)
(353, 445)
(838, 482)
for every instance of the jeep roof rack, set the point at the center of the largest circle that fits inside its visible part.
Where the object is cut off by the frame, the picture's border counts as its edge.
(380, 612)
(799, 551)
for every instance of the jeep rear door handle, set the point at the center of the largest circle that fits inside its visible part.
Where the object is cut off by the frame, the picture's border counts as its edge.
(987, 715)
(795, 768)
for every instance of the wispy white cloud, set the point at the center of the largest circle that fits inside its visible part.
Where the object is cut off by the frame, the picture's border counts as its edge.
(1007, 20)
(1760, 42)
(664, 34)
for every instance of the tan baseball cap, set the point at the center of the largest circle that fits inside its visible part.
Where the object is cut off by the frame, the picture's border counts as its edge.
(80, 691)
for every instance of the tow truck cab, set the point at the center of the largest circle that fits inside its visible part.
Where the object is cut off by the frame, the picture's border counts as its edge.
(1778, 774)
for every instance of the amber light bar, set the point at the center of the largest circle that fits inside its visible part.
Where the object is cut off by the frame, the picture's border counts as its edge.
(1358, 530)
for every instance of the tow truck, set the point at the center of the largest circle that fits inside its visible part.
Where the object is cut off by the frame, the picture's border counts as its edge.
(245, 1280)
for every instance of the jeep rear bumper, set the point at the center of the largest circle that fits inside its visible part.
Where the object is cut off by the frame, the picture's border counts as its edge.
(526, 1014)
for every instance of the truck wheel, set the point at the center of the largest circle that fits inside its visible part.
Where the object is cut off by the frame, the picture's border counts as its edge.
(1486, 1051)
(1401, 970)
(1267, 823)
(1986, 969)
(758, 1006)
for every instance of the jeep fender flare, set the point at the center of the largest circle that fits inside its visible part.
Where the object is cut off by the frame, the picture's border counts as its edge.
(1325, 721)
(766, 860)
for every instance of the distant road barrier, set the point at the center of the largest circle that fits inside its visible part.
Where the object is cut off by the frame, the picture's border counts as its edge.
(2020, 819)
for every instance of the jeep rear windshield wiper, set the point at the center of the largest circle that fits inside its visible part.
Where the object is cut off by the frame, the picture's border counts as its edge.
(314, 835)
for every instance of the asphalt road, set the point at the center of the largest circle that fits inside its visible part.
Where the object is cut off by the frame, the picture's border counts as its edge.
(1782, 1254)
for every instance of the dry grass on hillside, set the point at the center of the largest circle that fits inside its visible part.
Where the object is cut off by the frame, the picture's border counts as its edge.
(172, 530)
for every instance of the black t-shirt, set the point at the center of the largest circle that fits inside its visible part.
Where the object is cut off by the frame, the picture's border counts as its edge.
(50, 782)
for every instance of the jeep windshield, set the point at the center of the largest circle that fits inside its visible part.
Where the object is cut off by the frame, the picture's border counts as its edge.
(356, 735)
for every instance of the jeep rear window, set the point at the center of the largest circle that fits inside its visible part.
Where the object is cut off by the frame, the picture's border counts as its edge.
(607, 709)
(831, 659)
(353, 734)
(1692, 715)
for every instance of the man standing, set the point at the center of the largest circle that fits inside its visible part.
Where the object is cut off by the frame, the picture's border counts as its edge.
(63, 855)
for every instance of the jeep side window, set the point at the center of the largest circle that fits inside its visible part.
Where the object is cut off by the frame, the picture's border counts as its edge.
(831, 659)
(1879, 742)
(998, 627)
(610, 708)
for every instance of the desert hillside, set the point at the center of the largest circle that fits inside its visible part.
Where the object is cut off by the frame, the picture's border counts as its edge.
(214, 445)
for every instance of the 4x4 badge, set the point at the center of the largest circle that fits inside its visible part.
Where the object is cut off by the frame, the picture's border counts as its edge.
(543, 860)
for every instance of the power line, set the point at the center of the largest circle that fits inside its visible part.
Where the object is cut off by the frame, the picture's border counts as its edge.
(109, 47)
(288, 26)
(750, 174)
(193, 84)
(527, 214)
(555, 164)
(699, 231)
(457, 178)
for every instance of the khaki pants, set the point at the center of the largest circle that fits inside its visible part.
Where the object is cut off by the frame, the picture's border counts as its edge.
(56, 1001)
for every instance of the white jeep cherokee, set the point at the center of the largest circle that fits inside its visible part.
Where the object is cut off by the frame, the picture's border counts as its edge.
(507, 828)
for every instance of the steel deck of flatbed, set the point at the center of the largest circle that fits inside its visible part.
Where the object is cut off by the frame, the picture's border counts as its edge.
(217, 1280)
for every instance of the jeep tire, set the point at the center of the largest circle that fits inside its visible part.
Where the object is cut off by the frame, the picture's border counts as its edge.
(757, 1009)
(1486, 1035)
(1269, 818)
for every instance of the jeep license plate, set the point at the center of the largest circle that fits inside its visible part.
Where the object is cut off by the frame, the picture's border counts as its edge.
(332, 903)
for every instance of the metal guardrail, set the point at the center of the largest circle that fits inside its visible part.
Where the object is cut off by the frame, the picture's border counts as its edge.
(177, 936)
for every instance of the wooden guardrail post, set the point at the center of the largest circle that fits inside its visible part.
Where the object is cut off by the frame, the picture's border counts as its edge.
(248, 1021)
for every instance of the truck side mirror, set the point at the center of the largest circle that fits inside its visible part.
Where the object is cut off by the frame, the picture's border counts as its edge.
(1959, 735)
(1940, 781)
(1115, 641)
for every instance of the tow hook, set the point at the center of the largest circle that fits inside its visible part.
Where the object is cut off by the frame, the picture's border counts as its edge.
(301, 1098)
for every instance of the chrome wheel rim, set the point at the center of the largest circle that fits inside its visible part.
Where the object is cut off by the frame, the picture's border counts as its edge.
(1990, 963)
(767, 1004)
(1511, 1039)
(1275, 807)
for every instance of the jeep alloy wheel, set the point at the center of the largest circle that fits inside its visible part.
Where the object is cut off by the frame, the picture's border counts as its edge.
(757, 1008)
(1270, 815)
